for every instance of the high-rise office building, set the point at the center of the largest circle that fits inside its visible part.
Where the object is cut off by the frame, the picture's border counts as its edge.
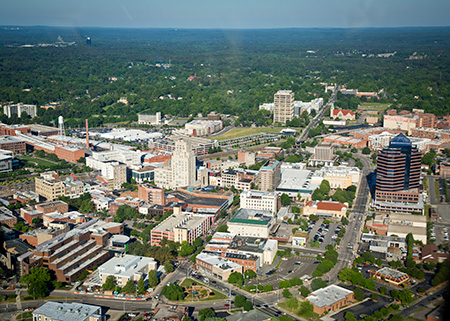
(283, 109)
(183, 164)
(398, 171)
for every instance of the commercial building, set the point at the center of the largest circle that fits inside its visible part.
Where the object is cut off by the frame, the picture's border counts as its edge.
(181, 226)
(398, 172)
(283, 110)
(249, 222)
(49, 186)
(298, 182)
(7, 217)
(200, 146)
(216, 266)
(259, 200)
(199, 127)
(149, 119)
(182, 170)
(264, 249)
(170, 312)
(391, 276)
(19, 109)
(330, 298)
(300, 239)
(246, 157)
(399, 225)
(6, 161)
(10, 130)
(57, 311)
(346, 141)
(73, 217)
(73, 252)
(382, 243)
(151, 194)
(126, 267)
(202, 201)
(13, 144)
(328, 209)
(142, 174)
(252, 315)
(323, 155)
(270, 176)
(238, 178)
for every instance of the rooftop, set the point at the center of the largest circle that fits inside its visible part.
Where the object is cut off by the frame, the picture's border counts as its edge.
(251, 216)
(328, 295)
(391, 273)
(68, 311)
(218, 262)
(127, 265)
(183, 220)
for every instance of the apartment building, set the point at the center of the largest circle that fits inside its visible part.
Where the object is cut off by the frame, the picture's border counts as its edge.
(19, 109)
(270, 175)
(283, 109)
(151, 194)
(181, 226)
(259, 200)
(323, 155)
(149, 119)
(71, 253)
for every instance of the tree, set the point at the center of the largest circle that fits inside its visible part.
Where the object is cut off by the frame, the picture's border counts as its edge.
(359, 294)
(325, 187)
(223, 228)
(110, 283)
(292, 303)
(197, 242)
(36, 221)
(173, 292)
(318, 283)
(153, 278)
(87, 206)
(205, 313)
(366, 150)
(248, 306)
(186, 249)
(349, 316)
(168, 266)
(304, 291)
(344, 220)
(267, 288)
(38, 282)
(141, 286)
(287, 294)
(250, 274)
(129, 287)
(285, 200)
(236, 278)
(239, 301)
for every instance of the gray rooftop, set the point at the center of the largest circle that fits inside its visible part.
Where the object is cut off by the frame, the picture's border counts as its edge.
(253, 315)
(328, 295)
(68, 311)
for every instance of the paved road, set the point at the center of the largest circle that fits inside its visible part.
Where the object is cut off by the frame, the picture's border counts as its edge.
(318, 117)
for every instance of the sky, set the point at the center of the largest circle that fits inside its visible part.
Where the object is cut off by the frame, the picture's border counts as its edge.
(225, 13)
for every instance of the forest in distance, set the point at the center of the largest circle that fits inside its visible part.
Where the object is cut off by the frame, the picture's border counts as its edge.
(234, 70)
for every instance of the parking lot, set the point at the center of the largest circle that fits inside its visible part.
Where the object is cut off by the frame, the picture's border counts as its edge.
(325, 234)
(440, 233)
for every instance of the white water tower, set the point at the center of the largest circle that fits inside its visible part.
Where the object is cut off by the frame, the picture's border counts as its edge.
(62, 132)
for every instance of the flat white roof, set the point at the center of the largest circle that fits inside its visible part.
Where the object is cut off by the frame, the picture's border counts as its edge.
(127, 265)
(328, 295)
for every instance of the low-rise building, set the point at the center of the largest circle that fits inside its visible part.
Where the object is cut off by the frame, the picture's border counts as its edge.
(151, 194)
(199, 127)
(300, 239)
(13, 144)
(330, 298)
(142, 174)
(391, 276)
(382, 243)
(344, 114)
(169, 312)
(217, 266)
(6, 161)
(181, 226)
(329, 209)
(258, 200)
(56, 311)
(250, 222)
(126, 267)
(7, 217)
(344, 140)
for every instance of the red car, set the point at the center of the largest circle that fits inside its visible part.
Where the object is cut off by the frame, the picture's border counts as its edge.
(226, 305)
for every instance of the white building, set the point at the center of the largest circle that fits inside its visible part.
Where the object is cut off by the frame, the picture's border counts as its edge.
(259, 200)
(55, 311)
(182, 170)
(149, 119)
(283, 106)
(301, 106)
(114, 172)
(124, 156)
(254, 223)
(19, 109)
(126, 267)
(6, 160)
(199, 127)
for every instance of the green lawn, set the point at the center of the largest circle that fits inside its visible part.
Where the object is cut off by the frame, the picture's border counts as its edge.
(377, 106)
(35, 160)
(25, 316)
(218, 295)
(239, 132)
